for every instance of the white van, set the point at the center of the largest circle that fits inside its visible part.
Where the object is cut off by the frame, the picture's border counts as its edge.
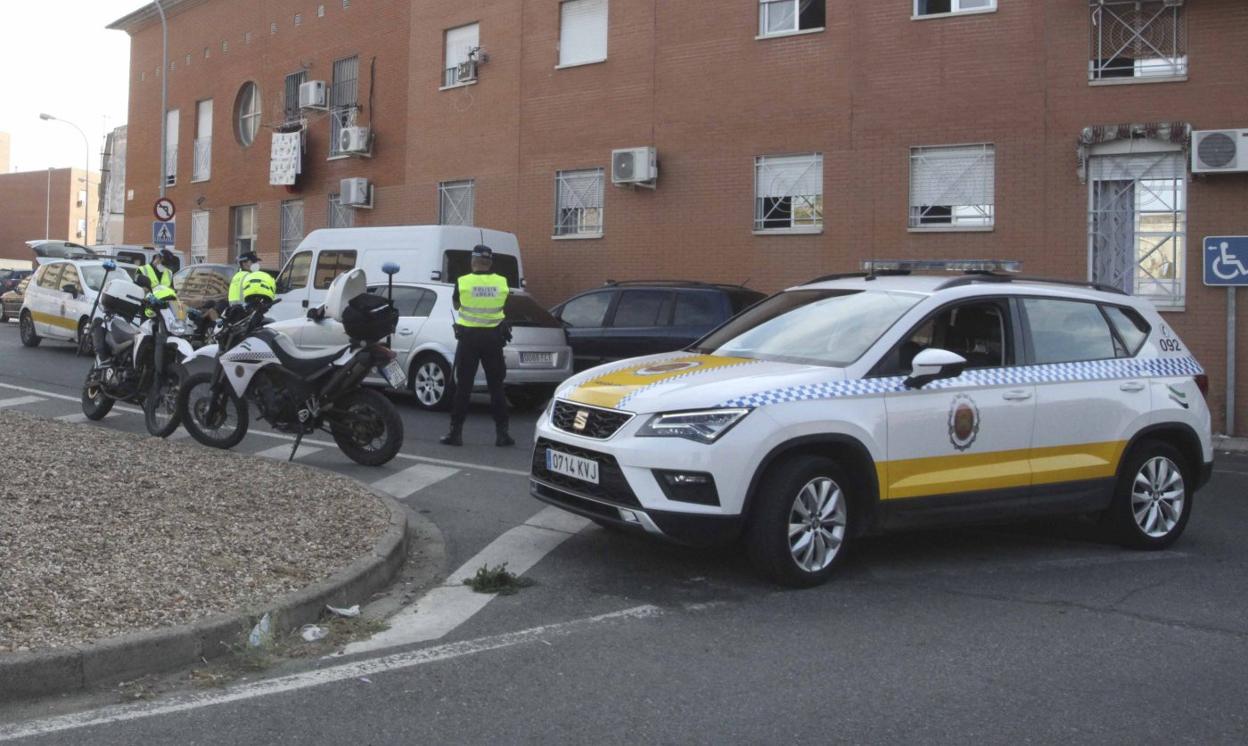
(424, 253)
(136, 254)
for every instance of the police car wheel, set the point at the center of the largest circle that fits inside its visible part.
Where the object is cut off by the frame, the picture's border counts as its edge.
(27, 330)
(1153, 498)
(431, 382)
(801, 521)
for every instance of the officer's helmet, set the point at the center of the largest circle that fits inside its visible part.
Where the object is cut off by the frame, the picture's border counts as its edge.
(259, 286)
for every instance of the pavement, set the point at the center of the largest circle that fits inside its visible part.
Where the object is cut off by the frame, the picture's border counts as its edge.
(1036, 632)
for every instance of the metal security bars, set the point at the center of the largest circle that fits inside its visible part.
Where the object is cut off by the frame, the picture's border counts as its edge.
(455, 202)
(1137, 39)
(788, 193)
(343, 98)
(460, 43)
(293, 81)
(578, 202)
(1137, 224)
(292, 227)
(339, 216)
(952, 187)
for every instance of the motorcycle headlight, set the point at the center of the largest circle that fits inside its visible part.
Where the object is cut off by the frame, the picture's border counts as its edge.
(703, 426)
(179, 328)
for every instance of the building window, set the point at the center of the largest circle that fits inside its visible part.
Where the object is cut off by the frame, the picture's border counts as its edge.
(225, 45)
(1134, 39)
(298, 19)
(247, 114)
(578, 203)
(943, 7)
(788, 193)
(273, 28)
(199, 236)
(293, 81)
(461, 43)
(779, 17)
(582, 32)
(1138, 224)
(339, 216)
(201, 165)
(172, 119)
(207, 52)
(292, 227)
(243, 219)
(343, 95)
(455, 202)
(320, 11)
(952, 188)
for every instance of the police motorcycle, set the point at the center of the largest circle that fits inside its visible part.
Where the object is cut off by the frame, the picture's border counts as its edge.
(139, 352)
(296, 391)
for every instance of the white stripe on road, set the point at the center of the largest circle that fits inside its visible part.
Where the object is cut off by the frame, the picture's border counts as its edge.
(309, 679)
(446, 607)
(179, 435)
(413, 479)
(65, 397)
(77, 418)
(282, 453)
(18, 401)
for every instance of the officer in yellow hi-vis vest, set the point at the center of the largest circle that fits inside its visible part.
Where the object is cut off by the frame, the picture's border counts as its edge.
(248, 262)
(482, 333)
(159, 271)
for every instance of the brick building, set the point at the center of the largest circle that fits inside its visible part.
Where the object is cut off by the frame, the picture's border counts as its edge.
(45, 204)
(794, 137)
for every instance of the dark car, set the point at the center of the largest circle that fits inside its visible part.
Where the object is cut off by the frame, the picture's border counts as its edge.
(200, 284)
(627, 319)
(11, 301)
(11, 278)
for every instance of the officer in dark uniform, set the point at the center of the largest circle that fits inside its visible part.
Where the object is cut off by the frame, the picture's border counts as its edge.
(482, 333)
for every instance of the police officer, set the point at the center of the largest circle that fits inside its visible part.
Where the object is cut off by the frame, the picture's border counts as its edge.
(482, 333)
(157, 271)
(248, 262)
(257, 286)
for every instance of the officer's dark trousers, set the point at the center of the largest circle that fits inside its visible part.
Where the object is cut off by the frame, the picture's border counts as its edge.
(484, 346)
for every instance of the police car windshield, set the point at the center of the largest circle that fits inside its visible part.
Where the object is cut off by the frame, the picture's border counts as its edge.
(810, 327)
(93, 274)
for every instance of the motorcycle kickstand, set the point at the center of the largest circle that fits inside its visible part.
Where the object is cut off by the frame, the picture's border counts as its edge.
(295, 447)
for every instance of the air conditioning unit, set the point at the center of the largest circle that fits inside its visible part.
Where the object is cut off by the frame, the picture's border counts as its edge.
(312, 95)
(355, 192)
(636, 166)
(466, 72)
(354, 140)
(1219, 151)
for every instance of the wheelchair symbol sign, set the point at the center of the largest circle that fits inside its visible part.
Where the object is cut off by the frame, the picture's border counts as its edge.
(1226, 261)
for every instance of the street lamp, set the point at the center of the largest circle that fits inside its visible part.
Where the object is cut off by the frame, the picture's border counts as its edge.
(86, 174)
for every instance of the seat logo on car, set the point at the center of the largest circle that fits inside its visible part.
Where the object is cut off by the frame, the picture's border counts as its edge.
(963, 422)
(662, 368)
(582, 419)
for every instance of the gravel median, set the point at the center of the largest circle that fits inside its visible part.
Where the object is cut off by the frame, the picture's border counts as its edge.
(104, 533)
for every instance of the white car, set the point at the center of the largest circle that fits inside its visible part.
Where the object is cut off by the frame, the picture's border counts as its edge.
(538, 356)
(59, 299)
(867, 403)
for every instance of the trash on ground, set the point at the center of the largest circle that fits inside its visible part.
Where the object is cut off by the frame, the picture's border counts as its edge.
(262, 632)
(312, 633)
(349, 613)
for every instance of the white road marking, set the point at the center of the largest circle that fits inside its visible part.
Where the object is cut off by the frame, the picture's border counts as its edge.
(413, 479)
(446, 607)
(180, 434)
(309, 679)
(18, 401)
(64, 397)
(77, 418)
(282, 453)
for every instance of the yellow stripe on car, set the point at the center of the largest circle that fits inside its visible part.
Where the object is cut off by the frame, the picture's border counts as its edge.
(54, 320)
(610, 389)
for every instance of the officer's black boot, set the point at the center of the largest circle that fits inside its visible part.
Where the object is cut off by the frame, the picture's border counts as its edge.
(502, 438)
(455, 437)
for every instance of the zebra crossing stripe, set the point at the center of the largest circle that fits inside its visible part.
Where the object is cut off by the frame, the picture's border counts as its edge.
(282, 453)
(18, 401)
(413, 479)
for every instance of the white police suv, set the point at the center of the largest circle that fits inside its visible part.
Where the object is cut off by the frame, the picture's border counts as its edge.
(885, 400)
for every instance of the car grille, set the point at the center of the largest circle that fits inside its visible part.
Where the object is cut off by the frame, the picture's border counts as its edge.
(599, 423)
(612, 485)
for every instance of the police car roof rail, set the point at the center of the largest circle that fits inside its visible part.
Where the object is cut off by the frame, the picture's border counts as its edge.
(671, 283)
(973, 277)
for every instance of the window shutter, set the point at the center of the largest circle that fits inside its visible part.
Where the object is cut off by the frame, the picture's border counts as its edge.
(952, 176)
(790, 176)
(460, 41)
(203, 123)
(1160, 165)
(580, 189)
(582, 31)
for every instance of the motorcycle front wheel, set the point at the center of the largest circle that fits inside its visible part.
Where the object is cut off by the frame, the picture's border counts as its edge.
(367, 427)
(226, 426)
(161, 412)
(95, 403)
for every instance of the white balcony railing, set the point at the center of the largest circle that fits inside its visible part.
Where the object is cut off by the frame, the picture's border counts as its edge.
(171, 165)
(201, 166)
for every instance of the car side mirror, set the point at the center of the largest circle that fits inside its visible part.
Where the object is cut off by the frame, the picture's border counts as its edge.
(934, 364)
(316, 313)
(70, 288)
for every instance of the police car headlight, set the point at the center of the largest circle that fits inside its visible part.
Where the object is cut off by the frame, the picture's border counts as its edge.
(703, 426)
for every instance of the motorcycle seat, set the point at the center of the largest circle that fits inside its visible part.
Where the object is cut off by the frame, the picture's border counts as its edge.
(300, 362)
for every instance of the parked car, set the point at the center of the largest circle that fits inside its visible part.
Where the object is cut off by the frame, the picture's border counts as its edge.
(11, 302)
(629, 319)
(538, 357)
(50, 250)
(58, 301)
(11, 278)
(200, 284)
(424, 253)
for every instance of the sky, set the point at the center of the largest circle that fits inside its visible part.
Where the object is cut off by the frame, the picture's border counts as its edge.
(62, 61)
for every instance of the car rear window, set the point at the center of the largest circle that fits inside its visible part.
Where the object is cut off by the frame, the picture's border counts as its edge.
(697, 308)
(1131, 327)
(522, 310)
(643, 308)
(1064, 331)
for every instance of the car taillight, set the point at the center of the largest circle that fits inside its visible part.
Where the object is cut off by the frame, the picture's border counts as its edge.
(1202, 383)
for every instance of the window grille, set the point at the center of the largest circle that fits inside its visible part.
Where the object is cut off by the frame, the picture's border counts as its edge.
(292, 227)
(578, 202)
(293, 81)
(247, 114)
(455, 202)
(582, 31)
(952, 187)
(172, 120)
(788, 192)
(777, 17)
(199, 236)
(245, 230)
(1137, 39)
(1137, 224)
(343, 95)
(339, 216)
(459, 43)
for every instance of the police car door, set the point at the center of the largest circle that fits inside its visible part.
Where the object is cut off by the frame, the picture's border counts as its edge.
(960, 444)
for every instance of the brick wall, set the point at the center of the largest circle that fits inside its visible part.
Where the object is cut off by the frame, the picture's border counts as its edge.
(25, 199)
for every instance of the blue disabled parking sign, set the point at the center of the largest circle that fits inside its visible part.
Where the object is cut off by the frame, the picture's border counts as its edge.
(1226, 261)
(163, 232)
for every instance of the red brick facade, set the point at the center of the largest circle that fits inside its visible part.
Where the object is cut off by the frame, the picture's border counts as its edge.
(711, 96)
(25, 198)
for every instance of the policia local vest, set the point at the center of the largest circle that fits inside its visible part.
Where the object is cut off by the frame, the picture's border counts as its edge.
(481, 300)
(236, 287)
(165, 277)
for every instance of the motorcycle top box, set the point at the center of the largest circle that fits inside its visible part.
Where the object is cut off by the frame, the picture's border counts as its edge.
(123, 298)
(369, 317)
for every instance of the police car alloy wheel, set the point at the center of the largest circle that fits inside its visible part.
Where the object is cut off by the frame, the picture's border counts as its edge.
(1153, 500)
(431, 383)
(27, 330)
(801, 521)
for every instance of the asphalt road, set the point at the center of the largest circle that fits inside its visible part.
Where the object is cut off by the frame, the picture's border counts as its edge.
(1037, 633)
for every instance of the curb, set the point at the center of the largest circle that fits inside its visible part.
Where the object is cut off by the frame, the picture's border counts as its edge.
(1228, 443)
(73, 668)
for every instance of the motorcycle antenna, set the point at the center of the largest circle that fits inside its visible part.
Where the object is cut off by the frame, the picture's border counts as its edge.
(391, 269)
(109, 265)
